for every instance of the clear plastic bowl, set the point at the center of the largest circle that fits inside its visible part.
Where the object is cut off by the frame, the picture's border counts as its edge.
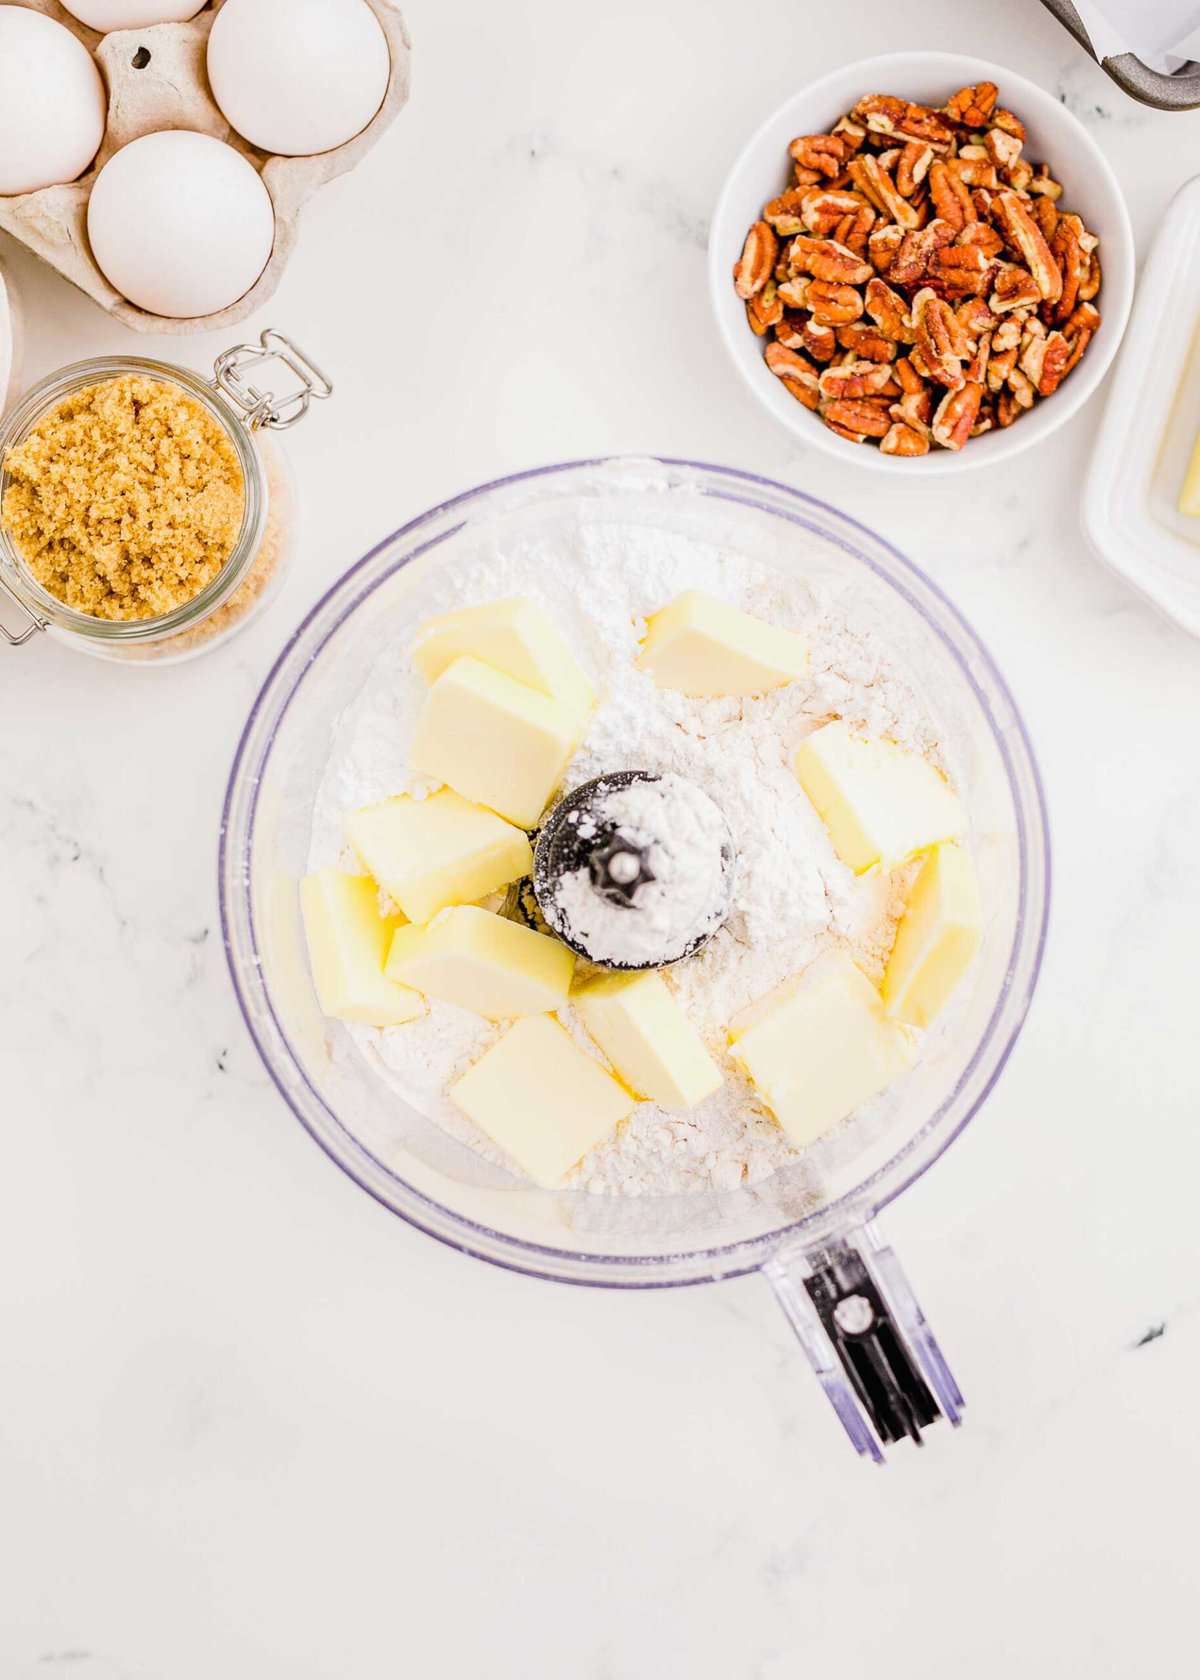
(808, 1227)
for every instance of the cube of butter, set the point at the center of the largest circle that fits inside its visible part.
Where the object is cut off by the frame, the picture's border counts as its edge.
(482, 962)
(1189, 496)
(941, 930)
(881, 803)
(514, 636)
(495, 740)
(347, 942)
(638, 1023)
(542, 1099)
(698, 645)
(818, 1046)
(428, 853)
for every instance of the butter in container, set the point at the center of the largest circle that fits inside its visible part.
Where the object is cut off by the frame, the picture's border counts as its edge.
(143, 517)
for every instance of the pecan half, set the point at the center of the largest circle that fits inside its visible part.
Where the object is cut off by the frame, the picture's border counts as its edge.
(883, 244)
(827, 260)
(790, 331)
(1045, 214)
(983, 235)
(1090, 285)
(939, 338)
(876, 185)
(757, 262)
(1003, 149)
(1044, 362)
(833, 305)
(951, 199)
(977, 368)
(1044, 184)
(794, 291)
(1008, 123)
(912, 166)
(915, 409)
(973, 106)
(850, 133)
(889, 311)
(796, 373)
(974, 317)
(911, 262)
(1007, 409)
(900, 439)
(853, 231)
(824, 208)
(955, 415)
(859, 415)
(786, 213)
(962, 270)
(1013, 289)
(819, 341)
(1072, 262)
(974, 167)
(765, 308)
(867, 343)
(909, 380)
(1023, 234)
(821, 154)
(1000, 365)
(883, 113)
(855, 379)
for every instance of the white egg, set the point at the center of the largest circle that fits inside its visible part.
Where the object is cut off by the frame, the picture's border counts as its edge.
(52, 102)
(180, 223)
(298, 76)
(107, 15)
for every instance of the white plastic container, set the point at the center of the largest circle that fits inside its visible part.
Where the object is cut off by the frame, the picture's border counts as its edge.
(1129, 511)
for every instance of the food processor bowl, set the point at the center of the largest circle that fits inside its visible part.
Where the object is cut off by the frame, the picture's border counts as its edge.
(808, 1228)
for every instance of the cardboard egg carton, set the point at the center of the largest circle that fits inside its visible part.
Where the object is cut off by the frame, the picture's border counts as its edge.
(156, 79)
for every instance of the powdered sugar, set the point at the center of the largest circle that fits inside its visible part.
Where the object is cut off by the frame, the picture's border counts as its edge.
(792, 896)
(688, 850)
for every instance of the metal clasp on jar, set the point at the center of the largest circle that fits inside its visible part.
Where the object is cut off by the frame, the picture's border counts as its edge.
(273, 410)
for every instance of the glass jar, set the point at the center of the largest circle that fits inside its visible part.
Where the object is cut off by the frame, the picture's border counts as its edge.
(252, 573)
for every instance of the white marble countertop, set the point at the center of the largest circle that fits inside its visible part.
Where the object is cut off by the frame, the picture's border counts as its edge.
(251, 1426)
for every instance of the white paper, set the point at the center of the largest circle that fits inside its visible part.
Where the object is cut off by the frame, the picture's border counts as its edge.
(1162, 33)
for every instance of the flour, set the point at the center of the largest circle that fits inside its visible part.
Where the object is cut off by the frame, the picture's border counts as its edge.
(792, 896)
(687, 850)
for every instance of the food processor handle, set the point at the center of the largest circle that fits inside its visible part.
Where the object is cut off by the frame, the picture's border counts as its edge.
(866, 1338)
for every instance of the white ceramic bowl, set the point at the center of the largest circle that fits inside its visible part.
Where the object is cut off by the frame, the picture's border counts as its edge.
(1089, 187)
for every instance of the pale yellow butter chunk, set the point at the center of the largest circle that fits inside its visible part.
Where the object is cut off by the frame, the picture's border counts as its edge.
(701, 646)
(819, 1046)
(495, 740)
(638, 1023)
(482, 962)
(542, 1099)
(1189, 496)
(347, 943)
(514, 636)
(937, 939)
(428, 853)
(881, 803)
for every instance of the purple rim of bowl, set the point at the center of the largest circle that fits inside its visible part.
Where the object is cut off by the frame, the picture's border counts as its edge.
(854, 1206)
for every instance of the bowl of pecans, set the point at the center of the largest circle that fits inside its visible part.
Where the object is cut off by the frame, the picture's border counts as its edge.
(923, 257)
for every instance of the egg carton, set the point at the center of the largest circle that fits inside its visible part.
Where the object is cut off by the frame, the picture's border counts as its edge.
(156, 79)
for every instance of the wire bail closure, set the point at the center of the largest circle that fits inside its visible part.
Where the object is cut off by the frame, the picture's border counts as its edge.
(270, 410)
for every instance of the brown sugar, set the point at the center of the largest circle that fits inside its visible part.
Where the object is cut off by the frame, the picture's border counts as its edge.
(125, 499)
